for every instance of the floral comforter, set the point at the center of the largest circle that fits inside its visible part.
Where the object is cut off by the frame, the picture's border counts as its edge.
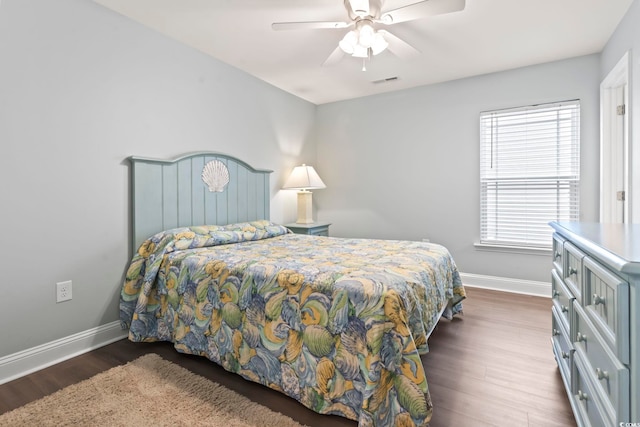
(337, 324)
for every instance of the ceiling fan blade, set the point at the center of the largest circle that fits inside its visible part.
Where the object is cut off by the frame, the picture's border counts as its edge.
(399, 47)
(334, 58)
(278, 26)
(422, 9)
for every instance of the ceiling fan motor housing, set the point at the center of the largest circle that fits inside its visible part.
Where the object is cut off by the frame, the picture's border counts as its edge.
(363, 8)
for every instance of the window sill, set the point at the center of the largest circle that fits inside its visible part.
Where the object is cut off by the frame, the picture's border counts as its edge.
(513, 249)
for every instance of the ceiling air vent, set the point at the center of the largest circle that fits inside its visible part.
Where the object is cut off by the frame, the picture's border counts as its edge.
(387, 80)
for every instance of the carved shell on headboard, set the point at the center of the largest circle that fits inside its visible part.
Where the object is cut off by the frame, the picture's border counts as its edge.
(216, 175)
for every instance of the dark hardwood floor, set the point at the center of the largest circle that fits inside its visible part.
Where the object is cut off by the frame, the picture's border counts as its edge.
(491, 367)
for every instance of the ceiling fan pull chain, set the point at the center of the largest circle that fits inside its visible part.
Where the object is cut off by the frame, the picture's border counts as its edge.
(364, 60)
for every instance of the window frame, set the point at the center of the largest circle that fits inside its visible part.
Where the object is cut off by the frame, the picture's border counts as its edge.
(566, 175)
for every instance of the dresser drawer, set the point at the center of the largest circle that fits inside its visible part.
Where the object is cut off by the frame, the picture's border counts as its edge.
(562, 299)
(606, 301)
(562, 348)
(572, 271)
(558, 250)
(588, 405)
(607, 373)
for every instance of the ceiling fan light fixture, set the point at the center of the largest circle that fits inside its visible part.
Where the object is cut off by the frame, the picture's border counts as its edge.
(366, 35)
(360, 52)
(364, 41)
(379, 44)
(349, 42)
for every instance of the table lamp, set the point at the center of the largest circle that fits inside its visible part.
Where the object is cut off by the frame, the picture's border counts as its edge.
(304, 178)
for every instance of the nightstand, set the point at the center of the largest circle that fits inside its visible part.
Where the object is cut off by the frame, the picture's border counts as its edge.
(315, 229)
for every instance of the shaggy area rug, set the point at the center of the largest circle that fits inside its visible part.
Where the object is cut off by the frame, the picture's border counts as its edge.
(149, 391)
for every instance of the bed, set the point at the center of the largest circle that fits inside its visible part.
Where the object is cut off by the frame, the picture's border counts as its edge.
(337, 324)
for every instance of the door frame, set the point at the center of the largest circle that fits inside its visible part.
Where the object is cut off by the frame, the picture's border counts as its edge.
(615, 129)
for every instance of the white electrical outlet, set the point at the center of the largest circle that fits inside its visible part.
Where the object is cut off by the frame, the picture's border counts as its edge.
(63, 291)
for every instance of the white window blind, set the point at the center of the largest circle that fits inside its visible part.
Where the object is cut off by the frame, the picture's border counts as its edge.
(529, 172)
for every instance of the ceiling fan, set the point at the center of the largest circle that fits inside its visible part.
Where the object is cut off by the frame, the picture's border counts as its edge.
(365, 40)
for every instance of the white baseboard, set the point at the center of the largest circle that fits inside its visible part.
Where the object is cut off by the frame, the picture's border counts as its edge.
(24, 362)
(518, 286)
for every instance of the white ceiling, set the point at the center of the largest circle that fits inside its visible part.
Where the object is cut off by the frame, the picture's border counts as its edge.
(487, 36)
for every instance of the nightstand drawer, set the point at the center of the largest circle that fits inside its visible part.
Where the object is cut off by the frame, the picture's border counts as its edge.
(572, 271)
(562, 299)
(610, 376)
(558, 250)
(606, 302)
(589, 406)
(313, 229)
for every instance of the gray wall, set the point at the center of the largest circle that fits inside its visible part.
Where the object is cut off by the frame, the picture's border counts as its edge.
(627, 38)
(405, 165)
(81, 89)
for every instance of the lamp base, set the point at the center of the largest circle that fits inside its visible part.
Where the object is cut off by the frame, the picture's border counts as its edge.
(305, 207)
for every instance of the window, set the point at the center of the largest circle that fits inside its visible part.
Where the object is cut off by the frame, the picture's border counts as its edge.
(529, 173)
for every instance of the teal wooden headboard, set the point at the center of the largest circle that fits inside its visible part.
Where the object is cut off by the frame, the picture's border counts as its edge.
(170, 193)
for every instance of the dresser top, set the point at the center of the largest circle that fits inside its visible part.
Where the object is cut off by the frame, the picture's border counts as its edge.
(616, 244)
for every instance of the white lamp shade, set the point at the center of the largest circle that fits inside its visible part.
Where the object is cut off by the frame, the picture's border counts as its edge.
(365, 36)
(303, 178)
(360, 52)
(348, 42)
(379, 44)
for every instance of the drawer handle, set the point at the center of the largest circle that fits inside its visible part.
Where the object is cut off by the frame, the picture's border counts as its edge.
(564, 308)
(572, 271)
(555, 332)
(557, 255)
(597, 299)
(555, 294)
(565, 355)
(582, 395)
(602, 374)
(581, 337)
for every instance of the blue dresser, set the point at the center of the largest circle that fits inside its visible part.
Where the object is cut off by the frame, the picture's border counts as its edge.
(596, 324)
